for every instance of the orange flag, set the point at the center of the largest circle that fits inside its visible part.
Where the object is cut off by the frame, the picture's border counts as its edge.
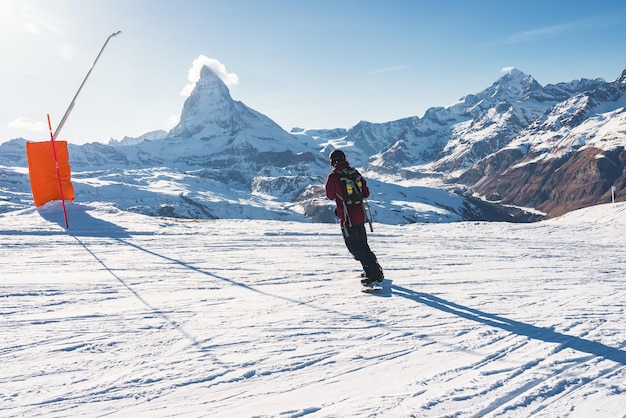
(43, 171)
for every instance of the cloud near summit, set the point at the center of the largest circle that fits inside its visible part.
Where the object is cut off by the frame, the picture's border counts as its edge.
(194, 73)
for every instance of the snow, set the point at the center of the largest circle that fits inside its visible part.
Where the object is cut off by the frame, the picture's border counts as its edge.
(129, 315)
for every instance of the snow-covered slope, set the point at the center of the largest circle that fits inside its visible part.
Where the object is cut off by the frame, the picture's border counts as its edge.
(571, 157)
(451, 139)
(226, 160)
(594, 118)
(210, 114)
(193, 194)
(127, 315)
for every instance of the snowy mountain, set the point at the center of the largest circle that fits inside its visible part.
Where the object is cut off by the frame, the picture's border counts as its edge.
(568, 158)
(506, 144)
(477, 144)
(450, 140)
(126, 315)
(225, 160)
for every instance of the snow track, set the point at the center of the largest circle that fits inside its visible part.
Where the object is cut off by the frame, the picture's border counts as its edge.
(125, 315)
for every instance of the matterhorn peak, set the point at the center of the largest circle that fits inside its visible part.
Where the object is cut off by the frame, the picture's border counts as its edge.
(210, 84)
(208, 105)
(210, 114)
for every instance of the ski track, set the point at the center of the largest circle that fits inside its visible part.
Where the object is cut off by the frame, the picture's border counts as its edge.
(129, 315)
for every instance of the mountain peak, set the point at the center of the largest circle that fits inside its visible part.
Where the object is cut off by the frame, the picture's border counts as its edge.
(209, 103)
(515, 85)
(514, 75)
(514, 72)
(210, 84)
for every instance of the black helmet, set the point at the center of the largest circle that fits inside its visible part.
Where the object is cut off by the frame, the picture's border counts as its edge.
(337, 155)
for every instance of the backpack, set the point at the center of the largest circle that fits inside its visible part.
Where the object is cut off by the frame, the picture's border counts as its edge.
(352, 186)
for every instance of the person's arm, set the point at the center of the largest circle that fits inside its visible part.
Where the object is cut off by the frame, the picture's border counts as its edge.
(330, 187)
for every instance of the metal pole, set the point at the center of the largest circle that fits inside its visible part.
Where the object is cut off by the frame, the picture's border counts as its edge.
(69, 109)
(368, 213)
(613, 194)
(56, 163)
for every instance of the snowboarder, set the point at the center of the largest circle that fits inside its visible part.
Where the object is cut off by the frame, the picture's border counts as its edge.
(352, 218)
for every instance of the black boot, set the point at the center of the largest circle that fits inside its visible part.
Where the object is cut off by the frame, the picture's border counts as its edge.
(370, 277)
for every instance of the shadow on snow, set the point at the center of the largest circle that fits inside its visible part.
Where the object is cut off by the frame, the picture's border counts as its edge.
(81, 223)
(537, 333)
(231, 281)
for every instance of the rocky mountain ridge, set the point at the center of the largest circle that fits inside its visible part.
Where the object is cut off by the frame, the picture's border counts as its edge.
(570, 157)
(517, 143)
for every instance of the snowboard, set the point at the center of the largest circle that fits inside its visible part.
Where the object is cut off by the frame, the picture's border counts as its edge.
(371, 288)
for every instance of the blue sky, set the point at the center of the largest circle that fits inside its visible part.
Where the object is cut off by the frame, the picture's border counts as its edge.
(303, 63)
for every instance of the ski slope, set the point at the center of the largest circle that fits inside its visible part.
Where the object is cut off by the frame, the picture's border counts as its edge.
(127, 315)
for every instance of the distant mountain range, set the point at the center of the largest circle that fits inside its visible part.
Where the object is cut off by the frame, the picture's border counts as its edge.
(517, 151)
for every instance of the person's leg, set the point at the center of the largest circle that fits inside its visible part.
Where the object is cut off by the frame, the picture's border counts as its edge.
(356, 242)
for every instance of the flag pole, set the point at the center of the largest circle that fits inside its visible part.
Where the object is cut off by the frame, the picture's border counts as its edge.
(69, 109)
(56, 163)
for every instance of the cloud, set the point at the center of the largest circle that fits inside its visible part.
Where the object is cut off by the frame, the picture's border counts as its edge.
(194, 73)
(171, 122)
(507, 69)
(386, 70)
(541, 33)
(26, 124)
(553, 31)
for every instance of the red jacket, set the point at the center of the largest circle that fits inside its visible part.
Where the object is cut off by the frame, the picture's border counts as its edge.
(356, 213)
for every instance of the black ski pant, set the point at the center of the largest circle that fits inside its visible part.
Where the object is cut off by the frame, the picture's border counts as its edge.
(355, 237)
